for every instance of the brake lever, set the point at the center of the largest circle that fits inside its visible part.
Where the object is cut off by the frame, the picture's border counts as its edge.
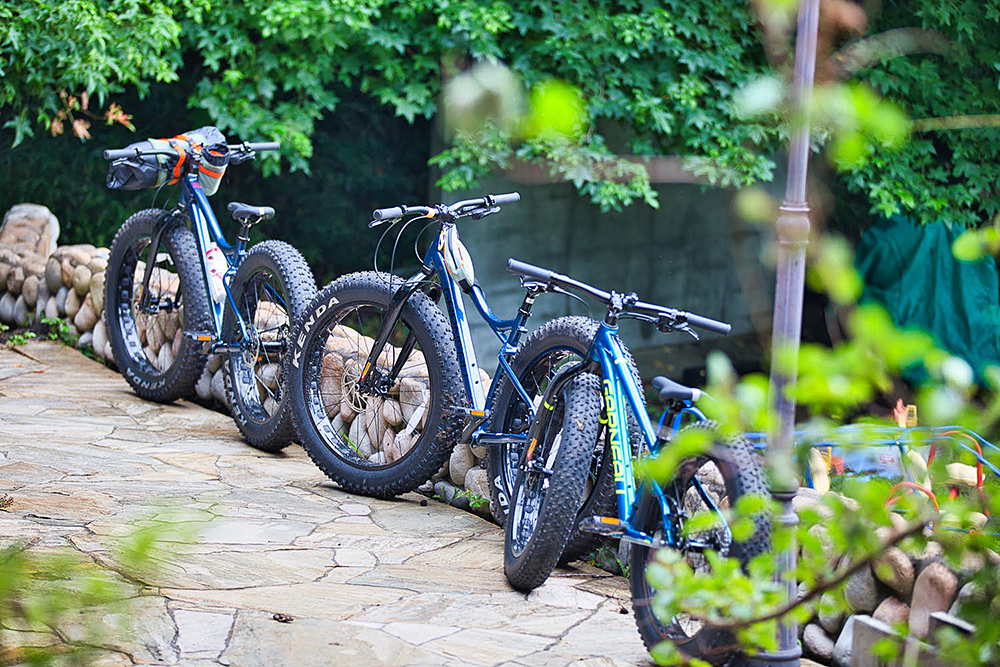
(483, 212)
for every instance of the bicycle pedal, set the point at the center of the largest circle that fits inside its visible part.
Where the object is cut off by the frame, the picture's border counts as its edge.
(605, 526)
(206, 338)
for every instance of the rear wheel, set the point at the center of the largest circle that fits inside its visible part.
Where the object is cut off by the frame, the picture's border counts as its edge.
(392, 438)
(548, 491)
(156, 358)
(272, 288)
(727, 472)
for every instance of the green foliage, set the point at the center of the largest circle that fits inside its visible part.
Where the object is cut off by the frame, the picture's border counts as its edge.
(43, 592)
(20, 338)
(947, 175)
(61, 330)
(852, 526)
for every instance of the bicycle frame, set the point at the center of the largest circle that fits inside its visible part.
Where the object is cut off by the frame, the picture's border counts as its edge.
(620, 394)
(194, 204)
(509, 333)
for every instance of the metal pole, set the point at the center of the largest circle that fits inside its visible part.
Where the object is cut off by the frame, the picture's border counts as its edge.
(792, 228)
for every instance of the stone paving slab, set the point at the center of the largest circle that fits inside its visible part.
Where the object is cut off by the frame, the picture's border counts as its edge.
(365, 581)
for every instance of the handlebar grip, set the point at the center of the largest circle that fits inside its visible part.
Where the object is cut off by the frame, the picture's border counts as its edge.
(264, 145)
(508, 198)
(709, 324)
(116, 153)
(520, 268)
(387, 213)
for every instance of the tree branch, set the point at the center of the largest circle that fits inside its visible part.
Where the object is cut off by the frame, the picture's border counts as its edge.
(822, 586)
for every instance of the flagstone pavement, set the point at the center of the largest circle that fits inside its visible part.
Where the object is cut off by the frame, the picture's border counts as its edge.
(364, 582)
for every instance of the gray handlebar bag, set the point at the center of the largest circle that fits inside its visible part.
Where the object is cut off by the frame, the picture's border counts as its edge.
(206, 145)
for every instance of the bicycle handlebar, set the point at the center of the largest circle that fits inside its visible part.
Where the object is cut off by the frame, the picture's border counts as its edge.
(245, 147)
(489, 201)
(667, 316)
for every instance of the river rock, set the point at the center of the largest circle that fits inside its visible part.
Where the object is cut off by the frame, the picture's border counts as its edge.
(165, 359)
(413, 397)
(891, 611)
(98, 265)
(459, 463)
(81, 279)
(150, 355)
(218, 387)
(97, 291)
(375, 426)
(51, 308)
(4, 271)
(7, 308)
(85, 318)
(894, 569)
(214, 362)
(477, 482)
(203, 387)
(41, 298)
(844, 647)
(391, 413)
(66, 269)
(330, 384)
(861, 592)
(830, 616)
(358, 434)
(965, 593)
(30, 226)
(154, 333)
(20, 312)
(15, 279)
(72, 304)
(100, 338)
(933, 591)
(78, 254)
(270, 374)
(401, 444)
(87, 339)
(53, 274)
(817, 643)
(60, 296)
(270, 405)
(29, 290)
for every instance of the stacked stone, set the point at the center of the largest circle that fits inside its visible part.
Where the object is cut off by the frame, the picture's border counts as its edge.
(38, 279)
(898, 587)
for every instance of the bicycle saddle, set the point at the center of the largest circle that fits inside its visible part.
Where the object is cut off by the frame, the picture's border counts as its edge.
(674, 390)
(248, 213)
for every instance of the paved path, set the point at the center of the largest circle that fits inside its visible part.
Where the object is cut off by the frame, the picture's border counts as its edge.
(366, 581)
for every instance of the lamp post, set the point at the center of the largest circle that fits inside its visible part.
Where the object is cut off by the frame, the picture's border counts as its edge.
(792, 228)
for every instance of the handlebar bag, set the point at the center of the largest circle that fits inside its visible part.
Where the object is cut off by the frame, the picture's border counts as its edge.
(151, 171)
(141, 173)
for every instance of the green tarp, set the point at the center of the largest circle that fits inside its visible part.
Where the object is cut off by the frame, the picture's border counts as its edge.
(910, 269)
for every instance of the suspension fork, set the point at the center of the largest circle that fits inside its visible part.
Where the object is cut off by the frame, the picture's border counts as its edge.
(163, 224)
(547, 408)
(393, 313)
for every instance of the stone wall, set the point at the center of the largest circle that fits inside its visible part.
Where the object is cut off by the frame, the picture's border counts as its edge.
(899, 587)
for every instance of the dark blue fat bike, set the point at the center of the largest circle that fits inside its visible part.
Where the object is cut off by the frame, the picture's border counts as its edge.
(177, 291)
(598, 395)
(384, 383)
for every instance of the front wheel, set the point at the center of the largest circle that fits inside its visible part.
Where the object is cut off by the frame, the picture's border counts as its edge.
(728, 471)
(271, 289)
(388, 439)
(149, 344)
(550, 485)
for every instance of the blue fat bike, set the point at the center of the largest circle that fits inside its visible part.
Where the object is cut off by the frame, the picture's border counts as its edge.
(384, 383)
(177, 291)
(597, 394)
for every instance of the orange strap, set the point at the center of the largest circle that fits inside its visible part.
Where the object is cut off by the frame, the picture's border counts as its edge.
(181, 156)
(215, 174)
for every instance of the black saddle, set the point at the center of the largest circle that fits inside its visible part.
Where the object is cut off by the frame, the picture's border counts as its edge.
(248, 213)
(670, 390)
